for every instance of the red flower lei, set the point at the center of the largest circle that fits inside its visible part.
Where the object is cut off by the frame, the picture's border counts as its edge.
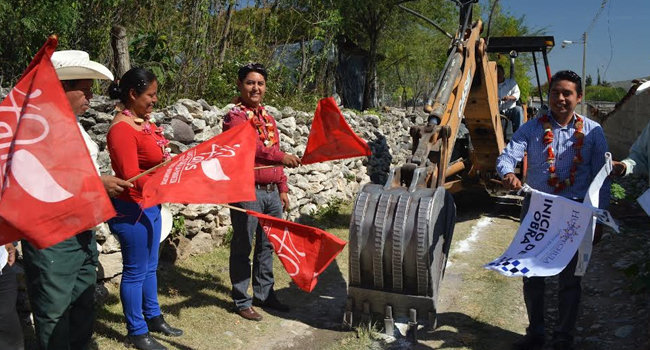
(263, 123)
(553, 180)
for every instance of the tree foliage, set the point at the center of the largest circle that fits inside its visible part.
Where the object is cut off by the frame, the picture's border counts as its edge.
(195, 46)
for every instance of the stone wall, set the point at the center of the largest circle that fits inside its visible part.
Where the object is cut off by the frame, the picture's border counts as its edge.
(626, 122)
(187, 123)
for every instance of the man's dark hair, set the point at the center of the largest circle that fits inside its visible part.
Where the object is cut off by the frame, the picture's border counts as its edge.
(137, 79)
(251, 67)
(570, 76)
(70, 84)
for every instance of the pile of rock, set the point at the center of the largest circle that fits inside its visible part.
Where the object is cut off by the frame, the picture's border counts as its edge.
(186, 123)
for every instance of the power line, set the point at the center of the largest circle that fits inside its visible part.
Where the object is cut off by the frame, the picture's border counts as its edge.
(593, 21)
(609, 32)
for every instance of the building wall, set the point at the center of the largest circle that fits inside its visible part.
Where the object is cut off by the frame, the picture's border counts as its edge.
(626, 123)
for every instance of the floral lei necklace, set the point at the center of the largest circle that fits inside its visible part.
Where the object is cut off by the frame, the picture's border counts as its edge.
(265, 128)
(157, 132)
(553, 180)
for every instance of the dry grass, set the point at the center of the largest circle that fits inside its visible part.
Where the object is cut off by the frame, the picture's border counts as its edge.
(195, 296)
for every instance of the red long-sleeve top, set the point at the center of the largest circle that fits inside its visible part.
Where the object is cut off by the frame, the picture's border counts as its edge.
(267, 151)
(132, 152)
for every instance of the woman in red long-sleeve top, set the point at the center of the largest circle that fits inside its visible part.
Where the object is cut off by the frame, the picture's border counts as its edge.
(135, 145)
(271, 198)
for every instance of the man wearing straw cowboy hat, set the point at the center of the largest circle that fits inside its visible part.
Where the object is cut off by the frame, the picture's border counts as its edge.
(61, 279)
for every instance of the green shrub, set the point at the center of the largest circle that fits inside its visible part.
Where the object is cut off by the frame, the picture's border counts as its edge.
(617, 192)
(178, 226)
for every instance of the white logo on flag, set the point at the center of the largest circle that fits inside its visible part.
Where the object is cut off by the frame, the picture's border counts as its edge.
(209, 162)
(27, 169)
(285, 243)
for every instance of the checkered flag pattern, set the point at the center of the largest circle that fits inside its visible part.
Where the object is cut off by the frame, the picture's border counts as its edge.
(509, 266)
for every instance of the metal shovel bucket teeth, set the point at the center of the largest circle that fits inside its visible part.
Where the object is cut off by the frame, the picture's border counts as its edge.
(398, 245)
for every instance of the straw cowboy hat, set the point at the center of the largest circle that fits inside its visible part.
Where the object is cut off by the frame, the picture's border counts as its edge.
(75, 64)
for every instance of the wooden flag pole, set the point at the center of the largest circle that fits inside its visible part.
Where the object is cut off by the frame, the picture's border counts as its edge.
(149, 170)
(233, 207)
(167, 162)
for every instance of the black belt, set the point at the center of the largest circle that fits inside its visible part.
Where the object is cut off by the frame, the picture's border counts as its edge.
(267, 187)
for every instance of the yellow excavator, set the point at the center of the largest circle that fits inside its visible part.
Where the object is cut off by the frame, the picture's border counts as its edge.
(401, 231)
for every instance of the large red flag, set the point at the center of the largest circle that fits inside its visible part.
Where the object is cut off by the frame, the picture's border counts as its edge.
(304, 251)
(50, 189)
(219, 170)
(331, 137)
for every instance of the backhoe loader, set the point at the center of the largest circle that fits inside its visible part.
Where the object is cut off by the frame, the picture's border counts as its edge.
(401, 231)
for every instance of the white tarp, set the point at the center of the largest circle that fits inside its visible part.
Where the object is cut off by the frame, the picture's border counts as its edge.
(552, 231)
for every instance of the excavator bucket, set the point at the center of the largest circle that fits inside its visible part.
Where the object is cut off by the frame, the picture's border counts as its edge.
(399, 241)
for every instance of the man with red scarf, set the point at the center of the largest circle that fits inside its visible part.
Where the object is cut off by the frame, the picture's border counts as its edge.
(565, 151)
(272, 198)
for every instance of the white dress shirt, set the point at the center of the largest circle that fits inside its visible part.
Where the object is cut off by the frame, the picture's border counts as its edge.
(509, 87)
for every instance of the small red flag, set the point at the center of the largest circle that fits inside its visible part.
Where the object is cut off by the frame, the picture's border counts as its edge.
(331, 137)
(305, 251)
(50, 189)
(219, 170)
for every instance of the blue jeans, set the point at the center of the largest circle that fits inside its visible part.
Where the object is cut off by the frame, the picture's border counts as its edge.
(244, 228)
(139, 233)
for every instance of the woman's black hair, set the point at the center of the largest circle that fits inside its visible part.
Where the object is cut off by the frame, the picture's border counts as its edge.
(251, 67)
(137, 79)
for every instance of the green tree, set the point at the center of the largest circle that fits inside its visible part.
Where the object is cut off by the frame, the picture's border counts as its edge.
(604, 93)
(505, 24)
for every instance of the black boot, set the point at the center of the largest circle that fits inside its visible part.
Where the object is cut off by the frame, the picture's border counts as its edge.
(158, 324)
(144, 342)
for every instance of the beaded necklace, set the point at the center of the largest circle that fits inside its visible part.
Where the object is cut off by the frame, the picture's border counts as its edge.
(553, 180)
(156, 133)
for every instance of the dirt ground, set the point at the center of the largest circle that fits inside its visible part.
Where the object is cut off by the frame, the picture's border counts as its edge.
(479, 309)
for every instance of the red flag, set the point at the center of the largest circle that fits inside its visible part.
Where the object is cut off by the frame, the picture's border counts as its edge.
(331, 137)
(50, 189)
(219, 170)
(304, 251)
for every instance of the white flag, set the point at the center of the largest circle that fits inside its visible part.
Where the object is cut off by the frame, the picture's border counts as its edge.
(547, 239)
(552, 232)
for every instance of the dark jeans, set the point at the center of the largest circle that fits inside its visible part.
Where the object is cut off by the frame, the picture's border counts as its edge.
(516, 117)
(568, 298)
(61, 285)
(11, 333)
(244, 228)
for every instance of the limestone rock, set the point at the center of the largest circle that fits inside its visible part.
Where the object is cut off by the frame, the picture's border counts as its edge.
(182, 132)
(201, 243)
(110, 265)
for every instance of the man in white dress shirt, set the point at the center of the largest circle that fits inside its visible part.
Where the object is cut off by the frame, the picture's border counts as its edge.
(508, 96)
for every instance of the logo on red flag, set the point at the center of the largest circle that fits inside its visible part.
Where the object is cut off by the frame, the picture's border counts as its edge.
(219, 170)
(331, 137)
(305, 251)
(50, 189)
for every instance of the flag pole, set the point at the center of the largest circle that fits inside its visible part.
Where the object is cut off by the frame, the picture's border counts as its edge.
(169, 160)
(149, 170)
(233, 207)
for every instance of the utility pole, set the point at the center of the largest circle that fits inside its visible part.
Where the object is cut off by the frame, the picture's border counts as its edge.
(584, 75)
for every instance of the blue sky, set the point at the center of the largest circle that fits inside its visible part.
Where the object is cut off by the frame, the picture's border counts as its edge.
(627, 21)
